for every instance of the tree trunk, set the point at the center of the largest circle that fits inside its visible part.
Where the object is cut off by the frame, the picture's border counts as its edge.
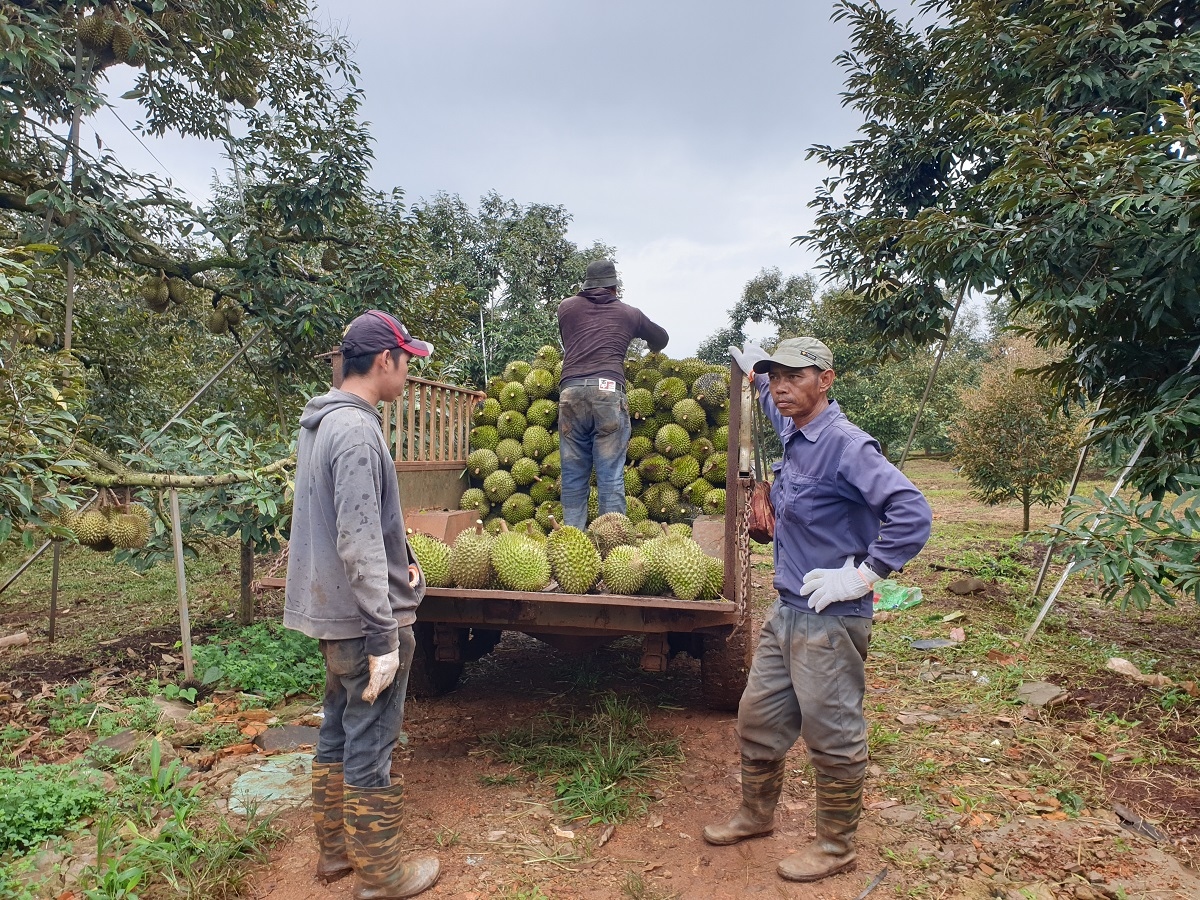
(1025, 503)
(246, 598)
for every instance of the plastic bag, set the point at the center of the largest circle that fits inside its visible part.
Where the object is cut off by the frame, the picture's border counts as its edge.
(891, 594)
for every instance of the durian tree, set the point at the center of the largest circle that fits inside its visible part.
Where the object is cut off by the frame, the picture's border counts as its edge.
(511, 260)
(294, 240)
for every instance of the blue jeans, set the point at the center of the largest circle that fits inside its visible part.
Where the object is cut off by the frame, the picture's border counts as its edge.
(357, 734)
(593, 430)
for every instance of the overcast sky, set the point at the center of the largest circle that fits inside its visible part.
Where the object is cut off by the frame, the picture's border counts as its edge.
(674, 131)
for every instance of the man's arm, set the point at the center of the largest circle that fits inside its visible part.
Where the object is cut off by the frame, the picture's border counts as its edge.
(655, 336)
(904, 514)
(357, 485)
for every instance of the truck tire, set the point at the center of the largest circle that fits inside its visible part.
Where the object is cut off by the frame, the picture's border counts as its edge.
(724, 665)
(429, 677)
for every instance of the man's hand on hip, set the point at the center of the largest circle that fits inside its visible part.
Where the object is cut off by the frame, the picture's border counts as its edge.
(825, 586)
(748, 356)
(382, 670)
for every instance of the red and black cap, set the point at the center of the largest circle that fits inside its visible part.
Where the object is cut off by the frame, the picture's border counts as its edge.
(375, 331)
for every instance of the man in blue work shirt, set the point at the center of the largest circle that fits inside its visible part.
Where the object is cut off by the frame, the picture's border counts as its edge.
(844, 518)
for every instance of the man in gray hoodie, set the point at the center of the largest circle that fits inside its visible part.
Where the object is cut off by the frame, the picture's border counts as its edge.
(354, 585)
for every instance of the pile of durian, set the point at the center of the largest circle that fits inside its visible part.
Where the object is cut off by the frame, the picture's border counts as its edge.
(110, 525)
(675, 464)
(614, 556)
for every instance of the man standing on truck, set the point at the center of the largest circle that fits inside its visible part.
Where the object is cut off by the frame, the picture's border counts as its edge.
(593, 414)
(353, 584)
(844, 518)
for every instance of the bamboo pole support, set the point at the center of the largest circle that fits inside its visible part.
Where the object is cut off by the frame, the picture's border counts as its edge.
(57, 553)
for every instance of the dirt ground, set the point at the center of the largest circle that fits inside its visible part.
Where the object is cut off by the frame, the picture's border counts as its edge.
(494, 841)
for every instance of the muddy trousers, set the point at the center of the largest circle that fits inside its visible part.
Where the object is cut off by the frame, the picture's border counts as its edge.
(807, 680)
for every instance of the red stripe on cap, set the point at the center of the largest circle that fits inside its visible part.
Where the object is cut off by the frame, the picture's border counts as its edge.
(400, 342)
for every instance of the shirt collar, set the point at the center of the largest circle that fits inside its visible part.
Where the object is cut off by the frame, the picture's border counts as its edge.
(813, 429)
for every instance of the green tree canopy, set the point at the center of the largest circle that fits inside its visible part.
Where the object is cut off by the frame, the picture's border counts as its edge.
(1048, 152)
(1011, 440)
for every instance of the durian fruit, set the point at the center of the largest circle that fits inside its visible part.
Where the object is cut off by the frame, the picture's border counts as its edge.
(641, 403)
(711, 391)
(683, 567)
(668, 392)
(69, 518)
(233, 314)
(548, 513)
(476, 499)
(574, 560)
(544, 490)
(121, 41)
(537, 442)
(95, 31)
(654, 468)
(714, 469)
(714, 502)
(511, 424)
(128, 531)
(648, 378)
(653, 548)
(720, 439)
(142, 512)
(610, 530)
(494, 386)
(215, 321)
(702, 449)
(525, 471)
(552, 465)
(156, 293)
(471, 558)
(683, 471)
(640, 447)
(672, 441)
(517, 370)
(539, 384)
(92, 529)
(177, 290)
(329, 259)
(247, 95)
(688, 414)
(521, 563)
(508, 451)
(624, 570)
(660, 500)
(695, 492)
(680, 529)
(714, 579)
(531, 529)
(543, 413)
(593, 505)
(517, 508)
(432, 556)
(633, 481)
(486, 412)
(484, 436)
(494, 525)
(548, 356)
(647, 530)
(513, 398)
(635, 510)
(499, 486)
(482, 463)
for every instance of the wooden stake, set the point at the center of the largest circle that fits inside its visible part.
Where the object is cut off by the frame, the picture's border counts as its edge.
(185, 625)
(54, 588)
(246, 570)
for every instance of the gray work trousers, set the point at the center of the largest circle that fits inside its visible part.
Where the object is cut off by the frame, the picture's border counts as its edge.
(808, 680)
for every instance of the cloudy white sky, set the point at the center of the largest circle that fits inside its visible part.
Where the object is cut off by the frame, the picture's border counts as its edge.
(674, 131)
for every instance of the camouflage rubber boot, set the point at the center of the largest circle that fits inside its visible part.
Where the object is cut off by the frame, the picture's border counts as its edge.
(839, 805)
(327, 786)
(373, 818)
(762, 783)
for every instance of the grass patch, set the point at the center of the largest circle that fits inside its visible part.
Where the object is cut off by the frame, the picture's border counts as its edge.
(601, 764)
(265, 660)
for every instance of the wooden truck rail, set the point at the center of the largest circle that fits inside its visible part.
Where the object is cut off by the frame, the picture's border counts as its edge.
(429, 431)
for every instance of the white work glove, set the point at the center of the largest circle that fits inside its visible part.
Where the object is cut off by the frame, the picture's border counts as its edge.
(835, 585)
(382, 671)
(748, 356)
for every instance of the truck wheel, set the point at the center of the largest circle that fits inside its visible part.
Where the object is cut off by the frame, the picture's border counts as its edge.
(724, 665)
(429, 677)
